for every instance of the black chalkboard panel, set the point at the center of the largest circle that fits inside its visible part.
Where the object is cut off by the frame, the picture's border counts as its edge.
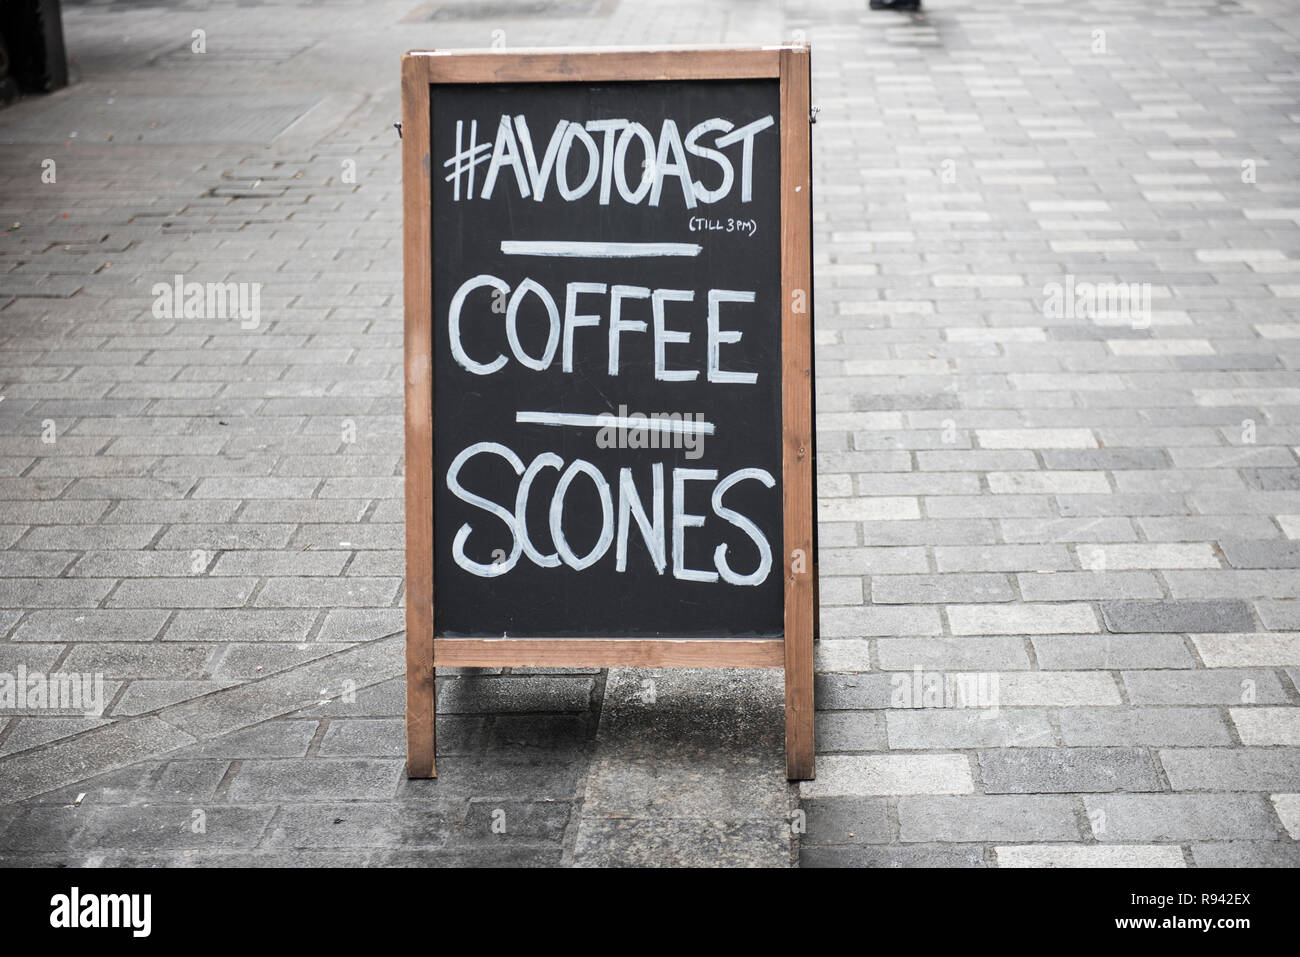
(571, 221)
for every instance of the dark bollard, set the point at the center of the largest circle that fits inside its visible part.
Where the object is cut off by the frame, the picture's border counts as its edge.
(32, 56)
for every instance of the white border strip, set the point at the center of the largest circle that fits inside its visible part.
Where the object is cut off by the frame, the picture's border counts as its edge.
(608, 420)
(513, 247)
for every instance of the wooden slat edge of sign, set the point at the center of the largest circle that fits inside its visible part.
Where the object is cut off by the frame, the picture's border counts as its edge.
(613, 50)
(417, 227)
(598, 65)
(796, 409)
(607, 653)
(791, 64)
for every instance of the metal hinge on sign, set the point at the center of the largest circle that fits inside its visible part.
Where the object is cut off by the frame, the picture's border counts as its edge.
(398, 127)
(812, 114)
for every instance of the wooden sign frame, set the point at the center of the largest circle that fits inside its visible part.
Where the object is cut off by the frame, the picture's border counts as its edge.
(790, 64)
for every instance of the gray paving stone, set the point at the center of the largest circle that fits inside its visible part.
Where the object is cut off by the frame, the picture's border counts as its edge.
(1266, 726)
(7, 814)
(1003, 558)
(1233, 584)
(893, 855)
(975, 460)
(283, 738)
(514, 693)
(1089, 855)
(491, 823)
(145, 695)
(851, 775)
(1111, 652)
(497, 777)
(545, 855)
(849, 731)
(357, 824)
(367, 536)
(960, 728)
(1243, 769)
(373, 737)
(865, 621)
(144, 512)
(971, 818)
(53, 592)
(1160, 502)
(1226, 650)
(976, 531)
(1279, 615)
(906, 589)
(1271, 480)
(256, 660)
(170, 827)
(8, 619)
(348, 624)
(103, 749)
(1176, 616)
(240, 625)
(1217, 686)
(373, 699)
(852, 655)
(99, 624)
(339, 779)
(1142, 726)
(558, 735)
(866, 561)
(1105, 459)
(661, 757)
(1247, 854)
(191, 592)
(213, 537)
(1028, 530)
(231, 858)
(852, 692)
(74, 536)
(845, 821)
(1073, 586)
(189, 781)
(259, 562)
(1060, 770)
(1199, 528)
(141, 660)
(315, 592)
(1038, 618)
(244, 705)
(124, 564)
(962, 653)
(1252, 554)
(1129, 818)
(42, 829)
(681, 843)
(34, 564)
(125, 786)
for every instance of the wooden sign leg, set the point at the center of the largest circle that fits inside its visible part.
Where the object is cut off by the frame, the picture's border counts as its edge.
(799, 760)
(421, 709)
(420, 693)
(796, 411)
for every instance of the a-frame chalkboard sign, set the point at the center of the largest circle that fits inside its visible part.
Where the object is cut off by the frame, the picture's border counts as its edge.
(609, 392)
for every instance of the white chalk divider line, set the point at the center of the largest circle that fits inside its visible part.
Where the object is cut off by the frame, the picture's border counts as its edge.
(604, 420)
(517, 247)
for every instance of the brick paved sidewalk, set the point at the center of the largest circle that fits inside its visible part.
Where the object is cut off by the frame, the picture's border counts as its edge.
(1091, 510)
